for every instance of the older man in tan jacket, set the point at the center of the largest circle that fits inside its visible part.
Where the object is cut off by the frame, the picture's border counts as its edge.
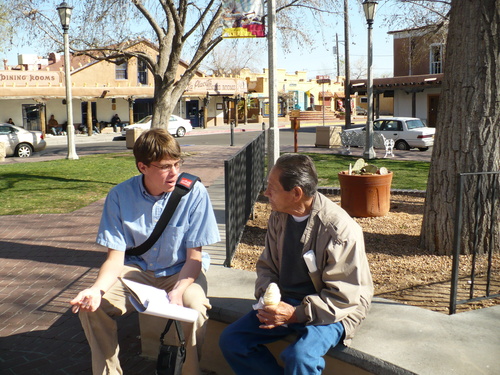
(315, 253)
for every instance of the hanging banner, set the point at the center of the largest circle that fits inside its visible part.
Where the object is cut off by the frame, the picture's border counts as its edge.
(243, 19)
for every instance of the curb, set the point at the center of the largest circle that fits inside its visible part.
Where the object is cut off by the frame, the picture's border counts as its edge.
(336, 191)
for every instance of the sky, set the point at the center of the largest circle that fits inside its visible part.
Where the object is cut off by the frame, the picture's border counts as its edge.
(320, 58)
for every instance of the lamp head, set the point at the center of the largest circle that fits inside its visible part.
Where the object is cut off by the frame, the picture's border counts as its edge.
(369, 7)
(64, 14)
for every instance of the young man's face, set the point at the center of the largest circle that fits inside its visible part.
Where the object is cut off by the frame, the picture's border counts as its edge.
(160, 176)
(280, 200)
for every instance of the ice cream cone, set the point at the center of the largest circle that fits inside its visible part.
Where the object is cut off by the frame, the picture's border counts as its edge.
(272, 296)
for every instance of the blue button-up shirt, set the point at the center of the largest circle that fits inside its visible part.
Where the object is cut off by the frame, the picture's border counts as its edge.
(130, 214)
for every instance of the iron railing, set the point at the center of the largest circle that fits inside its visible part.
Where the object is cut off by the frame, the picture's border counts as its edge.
(486, 188)
(244, 179)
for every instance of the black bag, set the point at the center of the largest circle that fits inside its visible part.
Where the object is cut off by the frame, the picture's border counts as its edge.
(171, 357)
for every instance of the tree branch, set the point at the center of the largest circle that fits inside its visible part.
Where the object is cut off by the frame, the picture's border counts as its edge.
(160, 33)
(202, 18)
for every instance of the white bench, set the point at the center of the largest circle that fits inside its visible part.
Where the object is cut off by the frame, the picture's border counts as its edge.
(349, 139)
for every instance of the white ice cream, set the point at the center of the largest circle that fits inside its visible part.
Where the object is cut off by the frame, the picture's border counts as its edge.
(272, 295)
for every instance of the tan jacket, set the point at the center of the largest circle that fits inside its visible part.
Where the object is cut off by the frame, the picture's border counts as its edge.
(343, 281)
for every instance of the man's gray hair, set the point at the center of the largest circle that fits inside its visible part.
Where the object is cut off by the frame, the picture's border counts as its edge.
(297, 170)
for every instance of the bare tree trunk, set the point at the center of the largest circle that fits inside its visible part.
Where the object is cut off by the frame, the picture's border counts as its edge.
(468, 125)
(164, 104)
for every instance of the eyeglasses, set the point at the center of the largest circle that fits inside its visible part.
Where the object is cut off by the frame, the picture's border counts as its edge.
(168, 167)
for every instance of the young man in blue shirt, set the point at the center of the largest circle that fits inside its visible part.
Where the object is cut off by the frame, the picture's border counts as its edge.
(174, 263)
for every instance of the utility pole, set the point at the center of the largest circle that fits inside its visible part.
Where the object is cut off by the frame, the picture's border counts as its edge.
(337, 52)
(273, 148)
(347, 81)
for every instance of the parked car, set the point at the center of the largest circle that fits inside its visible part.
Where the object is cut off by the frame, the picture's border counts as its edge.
(407, 132)
(176, 126)
(360, 111)
(21, 142)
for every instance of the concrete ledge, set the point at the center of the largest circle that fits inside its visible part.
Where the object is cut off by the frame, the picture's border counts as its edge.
(226, 283)
(107, 130)
(395, 339)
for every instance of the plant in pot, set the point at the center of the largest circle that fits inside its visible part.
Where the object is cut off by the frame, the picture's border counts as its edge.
(365, 190)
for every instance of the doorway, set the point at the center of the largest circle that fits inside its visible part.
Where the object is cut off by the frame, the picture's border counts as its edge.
(84, 113)
(142, 108)
(433, 103)
(193, 112)
(31, 117)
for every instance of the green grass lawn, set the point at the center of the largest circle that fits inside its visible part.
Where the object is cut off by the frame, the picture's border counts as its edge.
(61, 186)
(411, 175)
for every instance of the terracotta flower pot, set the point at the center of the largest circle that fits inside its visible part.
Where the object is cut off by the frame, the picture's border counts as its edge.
(365, 195)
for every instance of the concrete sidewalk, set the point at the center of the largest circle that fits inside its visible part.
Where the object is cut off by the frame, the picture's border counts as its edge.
(47, 259)
(107, 137)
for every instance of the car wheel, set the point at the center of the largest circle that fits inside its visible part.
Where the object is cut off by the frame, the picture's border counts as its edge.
(24, 150)
(180, 132)
(402, 145)
(423, 148)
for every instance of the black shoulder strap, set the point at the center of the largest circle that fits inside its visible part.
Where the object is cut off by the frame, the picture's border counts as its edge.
(184, 184)
(178, 327)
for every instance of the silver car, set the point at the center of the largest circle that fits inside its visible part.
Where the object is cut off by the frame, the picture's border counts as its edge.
(21, 142)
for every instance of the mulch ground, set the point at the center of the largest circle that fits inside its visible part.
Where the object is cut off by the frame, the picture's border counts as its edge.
(401, 270)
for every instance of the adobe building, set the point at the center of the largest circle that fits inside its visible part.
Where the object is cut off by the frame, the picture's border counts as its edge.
(33, 90)
(418, 75)
(295, 91)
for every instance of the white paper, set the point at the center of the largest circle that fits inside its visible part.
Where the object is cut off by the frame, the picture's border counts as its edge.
(153, 301)
(259, 304)
(310, 259)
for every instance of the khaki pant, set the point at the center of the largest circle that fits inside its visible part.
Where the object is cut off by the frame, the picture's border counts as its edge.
(101, 329)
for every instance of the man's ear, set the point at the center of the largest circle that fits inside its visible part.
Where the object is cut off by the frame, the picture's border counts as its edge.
(298, 193)
(141, 167)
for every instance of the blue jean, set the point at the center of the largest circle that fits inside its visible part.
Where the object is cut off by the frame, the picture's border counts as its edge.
(242, 344)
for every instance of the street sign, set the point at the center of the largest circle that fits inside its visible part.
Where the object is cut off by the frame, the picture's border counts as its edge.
(323, 79)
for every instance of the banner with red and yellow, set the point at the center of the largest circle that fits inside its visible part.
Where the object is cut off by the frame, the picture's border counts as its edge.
(243, 19)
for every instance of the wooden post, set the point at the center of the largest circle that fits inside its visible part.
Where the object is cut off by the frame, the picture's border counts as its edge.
(295, 135)
(295, 122)
(43, 118)
(130, 111)
(90, 128)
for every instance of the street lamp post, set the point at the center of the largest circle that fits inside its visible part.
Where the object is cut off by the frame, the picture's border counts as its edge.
(65, 15)
(369, 7)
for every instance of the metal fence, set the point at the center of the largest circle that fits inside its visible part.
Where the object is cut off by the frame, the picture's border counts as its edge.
(244, 178)
(485, 186)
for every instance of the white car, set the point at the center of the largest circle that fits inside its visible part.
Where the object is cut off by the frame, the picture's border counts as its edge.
(407, 132)
(176, 126)
(21, 142)
(360, 111)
